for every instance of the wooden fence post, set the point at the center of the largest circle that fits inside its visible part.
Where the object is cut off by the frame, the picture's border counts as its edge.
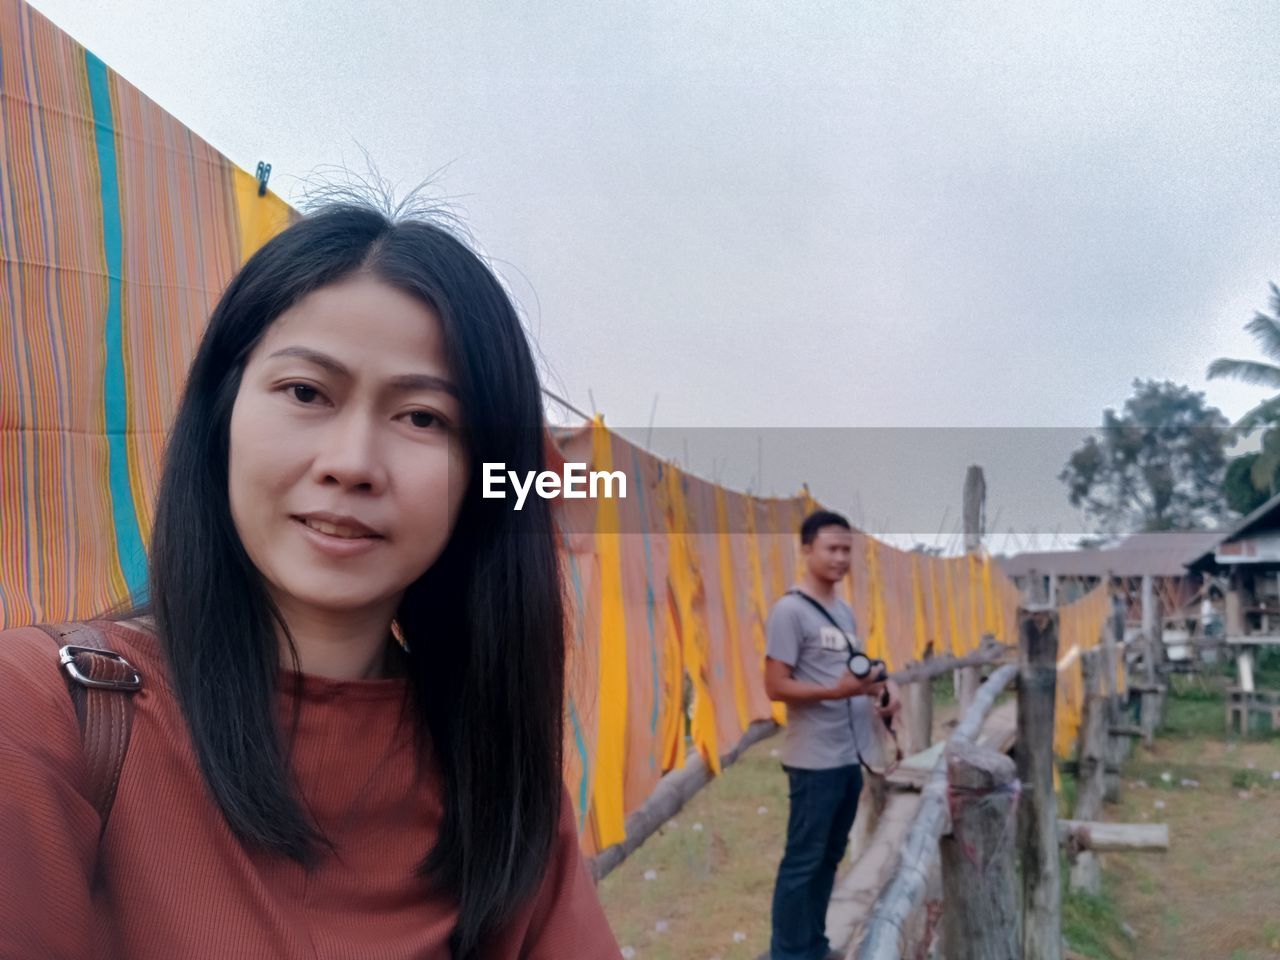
(1038, 807)
(1091, 764)
(885, 933)
(917, 709)
(968, 679)
(1119, 743)
(1150, 617)
(980, 901)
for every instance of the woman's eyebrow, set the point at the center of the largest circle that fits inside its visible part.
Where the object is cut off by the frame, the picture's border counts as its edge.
(322, 360)
(404, 383)
(408, 382)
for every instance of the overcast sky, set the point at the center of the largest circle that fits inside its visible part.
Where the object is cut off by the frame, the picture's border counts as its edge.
(792, 214)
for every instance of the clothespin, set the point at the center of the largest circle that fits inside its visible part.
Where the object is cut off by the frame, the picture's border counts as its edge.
(263, 175)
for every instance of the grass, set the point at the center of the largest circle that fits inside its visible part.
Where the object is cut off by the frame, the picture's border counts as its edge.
(944, 691)
(708, 875)
(1196, 705)
(1092, 925)
(1068, 785)
(1213, 894)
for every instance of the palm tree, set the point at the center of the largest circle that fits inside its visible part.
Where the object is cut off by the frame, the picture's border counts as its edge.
(1265, 329)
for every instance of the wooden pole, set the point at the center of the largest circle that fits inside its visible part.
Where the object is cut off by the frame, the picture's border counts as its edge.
(1235, 611)
(917, 709)
(1115, 837)
(968, 679)
(980, 902)
(1152, 630)
(1149, 688)
(883, 936)
(1038, 809)
(1160, 659)
(1095, 728)
(1110, 646)
(1149, 614)
(932, 667)
(1118, 746)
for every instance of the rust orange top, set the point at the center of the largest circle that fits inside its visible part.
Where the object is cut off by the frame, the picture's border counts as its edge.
(170, 880)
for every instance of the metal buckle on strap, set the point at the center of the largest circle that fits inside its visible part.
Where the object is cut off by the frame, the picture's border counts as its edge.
(67, 657)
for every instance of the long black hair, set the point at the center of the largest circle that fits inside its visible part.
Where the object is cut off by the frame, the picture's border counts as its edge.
(484, 625)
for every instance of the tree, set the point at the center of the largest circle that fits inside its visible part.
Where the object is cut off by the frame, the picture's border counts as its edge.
(1242, 495)
(1265, 330)
(1156, 465)
(1093, 543)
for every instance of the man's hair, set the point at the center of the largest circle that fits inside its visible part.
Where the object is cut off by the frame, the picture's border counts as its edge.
(816, 521)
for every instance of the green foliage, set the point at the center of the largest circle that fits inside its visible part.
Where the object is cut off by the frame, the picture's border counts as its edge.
(1156, 465)
(1249, 779)
(1242, 495)
(1266, 671)
(944, 690)
(1194, 708)
(1265, 331)
(1091, 925)
(1069, 785)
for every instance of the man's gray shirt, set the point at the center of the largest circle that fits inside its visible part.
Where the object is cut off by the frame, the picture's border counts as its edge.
(828, 733)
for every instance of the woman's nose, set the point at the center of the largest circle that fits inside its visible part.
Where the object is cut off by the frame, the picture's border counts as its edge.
(349, 454)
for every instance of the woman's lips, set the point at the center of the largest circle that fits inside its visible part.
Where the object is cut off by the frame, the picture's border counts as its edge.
(337, 528)
(336, 540)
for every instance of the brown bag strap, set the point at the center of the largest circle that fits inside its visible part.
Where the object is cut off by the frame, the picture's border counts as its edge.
(101, 684)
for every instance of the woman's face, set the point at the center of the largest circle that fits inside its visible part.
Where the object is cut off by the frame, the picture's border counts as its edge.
(347, 468)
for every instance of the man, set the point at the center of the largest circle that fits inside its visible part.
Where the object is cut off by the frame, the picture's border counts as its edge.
(830, 713)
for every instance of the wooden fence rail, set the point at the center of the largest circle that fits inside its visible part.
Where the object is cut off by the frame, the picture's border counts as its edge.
(884, 934)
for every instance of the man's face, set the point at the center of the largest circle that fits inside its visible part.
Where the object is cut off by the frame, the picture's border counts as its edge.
(829, 555)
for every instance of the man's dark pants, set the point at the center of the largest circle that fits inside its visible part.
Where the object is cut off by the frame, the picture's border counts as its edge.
(823, 805)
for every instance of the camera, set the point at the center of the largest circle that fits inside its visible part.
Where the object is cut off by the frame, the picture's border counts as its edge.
(862, 667)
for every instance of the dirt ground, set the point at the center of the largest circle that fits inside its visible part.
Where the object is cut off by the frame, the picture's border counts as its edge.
(700, 889)
(1216, 894)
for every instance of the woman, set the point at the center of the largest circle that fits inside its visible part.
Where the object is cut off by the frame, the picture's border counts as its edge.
(297, 783)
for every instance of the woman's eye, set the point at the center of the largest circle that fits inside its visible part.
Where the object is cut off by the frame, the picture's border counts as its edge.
(303, 393)
(423, 419)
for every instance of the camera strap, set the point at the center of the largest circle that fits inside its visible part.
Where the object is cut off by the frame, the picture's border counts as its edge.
(888, 723)
(830, 619)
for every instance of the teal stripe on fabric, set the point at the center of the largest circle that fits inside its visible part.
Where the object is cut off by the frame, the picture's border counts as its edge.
(584, 784)
(129, 549)
(650, 604)
(580, 741)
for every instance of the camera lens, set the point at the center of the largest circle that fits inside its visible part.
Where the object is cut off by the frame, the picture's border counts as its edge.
(860, 665)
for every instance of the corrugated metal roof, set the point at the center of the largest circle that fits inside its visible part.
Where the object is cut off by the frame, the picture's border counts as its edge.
(1158, 554)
